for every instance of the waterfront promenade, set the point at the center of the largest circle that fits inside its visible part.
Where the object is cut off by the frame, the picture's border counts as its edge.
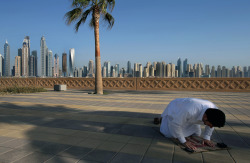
(74, 126)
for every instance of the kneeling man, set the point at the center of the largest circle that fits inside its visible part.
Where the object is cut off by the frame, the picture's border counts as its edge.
(183, 116)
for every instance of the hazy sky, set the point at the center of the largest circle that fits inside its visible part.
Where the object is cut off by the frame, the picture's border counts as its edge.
(204, 31)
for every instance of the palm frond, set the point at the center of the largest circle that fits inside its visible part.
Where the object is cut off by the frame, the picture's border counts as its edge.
(73, 15)
(111, 4)
(83, 19)
(109, 18)
(91, 23)
(81, 3)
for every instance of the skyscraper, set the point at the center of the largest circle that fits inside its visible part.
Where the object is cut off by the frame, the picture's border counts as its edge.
(43, 49)
(173, 70)
(213, 75)
(20, 55)
(64, 64)
(224, 72)
(219, 71)
(108, 68)
(27, 39)
(117, 70)
(1, 65)
(17, 66)
(136, 70)
(71, 62)
(33, 63)
(104, 72)
(85, 71)
(140, 70)
(159, 69)
(179, 67)
(6, 59)
(185, 63)
(129, 70)
(56, 65)
(91, 68)
(25, 58)
(163, 64)
(207, 70)
(49, 63)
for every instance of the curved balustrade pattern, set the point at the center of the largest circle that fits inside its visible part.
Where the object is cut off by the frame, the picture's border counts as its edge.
(191, 84)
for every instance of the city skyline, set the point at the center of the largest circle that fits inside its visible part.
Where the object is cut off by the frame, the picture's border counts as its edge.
(212, 32)
(26, 65)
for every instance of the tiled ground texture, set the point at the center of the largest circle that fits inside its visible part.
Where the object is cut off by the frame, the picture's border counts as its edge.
(74, 126)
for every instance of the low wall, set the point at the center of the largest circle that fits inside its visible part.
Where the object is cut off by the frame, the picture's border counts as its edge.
(189, 84)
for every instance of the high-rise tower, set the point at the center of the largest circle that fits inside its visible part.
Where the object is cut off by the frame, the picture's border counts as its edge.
(49, 63)
(56, 65)
(43, 49)
(71, 61)
(91, 67)
(129, 70)
(185, 63)
(179, 67)
(64, 64)
(33, 63)
(17, 66)
(6, 59)
(25, 58)
(1, 65)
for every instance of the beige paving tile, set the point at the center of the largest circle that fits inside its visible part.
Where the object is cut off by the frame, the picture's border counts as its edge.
(134, 149)
(119, 138)
(140, 140)
(111, 146)
(91, 143)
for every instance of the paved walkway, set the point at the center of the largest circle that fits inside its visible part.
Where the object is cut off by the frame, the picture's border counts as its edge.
(73, 126)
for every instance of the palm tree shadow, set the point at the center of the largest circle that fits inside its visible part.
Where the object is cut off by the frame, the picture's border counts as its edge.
(62, 134)
(55, 132)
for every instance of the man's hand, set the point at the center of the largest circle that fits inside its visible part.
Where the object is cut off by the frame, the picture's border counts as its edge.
(208, 143)
(189, 145)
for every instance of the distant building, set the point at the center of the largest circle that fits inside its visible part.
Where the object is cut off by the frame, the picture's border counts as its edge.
(207, 70)
(85, 71)
(31, 65)
(179, 67)
(56, 65)
(129, 69)
(1, 65)
(43, 52)
(25, 58)
(108, 68)
(49, 63)
(71, 62)
(6, 59)
(64, 64)
(34, 61)
(218, 71)
(185, 63)
(17, 66)
(91, 72)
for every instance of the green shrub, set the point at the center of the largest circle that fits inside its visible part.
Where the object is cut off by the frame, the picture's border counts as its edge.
(15, 89)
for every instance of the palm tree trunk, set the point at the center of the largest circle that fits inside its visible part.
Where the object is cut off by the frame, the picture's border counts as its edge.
(98, 67)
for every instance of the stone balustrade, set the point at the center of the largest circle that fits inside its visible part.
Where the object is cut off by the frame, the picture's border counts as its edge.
(189, 84)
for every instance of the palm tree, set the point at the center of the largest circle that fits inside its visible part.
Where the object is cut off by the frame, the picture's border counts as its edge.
(84, 8)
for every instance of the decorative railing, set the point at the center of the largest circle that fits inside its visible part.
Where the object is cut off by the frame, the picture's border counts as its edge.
(192, 84)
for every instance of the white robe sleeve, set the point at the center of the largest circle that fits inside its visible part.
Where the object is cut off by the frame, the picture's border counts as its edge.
(208, 132)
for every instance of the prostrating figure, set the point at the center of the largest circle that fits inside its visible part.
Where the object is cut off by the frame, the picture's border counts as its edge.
(183, 116)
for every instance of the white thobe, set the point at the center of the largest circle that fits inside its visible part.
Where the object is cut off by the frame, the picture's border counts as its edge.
(183, 116)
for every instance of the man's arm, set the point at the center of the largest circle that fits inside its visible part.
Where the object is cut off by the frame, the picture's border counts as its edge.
(208, 133)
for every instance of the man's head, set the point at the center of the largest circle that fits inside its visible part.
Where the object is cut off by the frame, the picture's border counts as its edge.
(214, 118)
